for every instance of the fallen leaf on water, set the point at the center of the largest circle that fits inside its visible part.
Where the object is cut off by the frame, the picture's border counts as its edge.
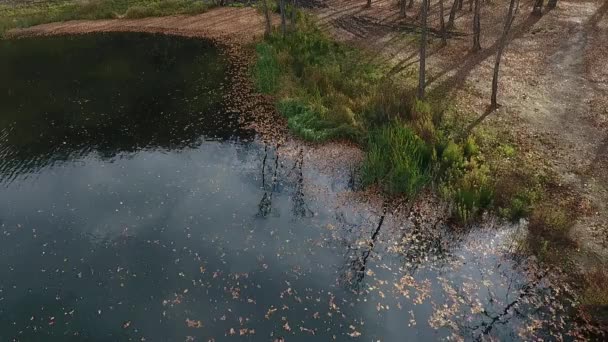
(193, 323)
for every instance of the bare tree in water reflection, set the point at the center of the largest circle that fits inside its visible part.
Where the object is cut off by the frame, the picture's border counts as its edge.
(300, 208)
(428, 239)
(265, 206)
(358, 257)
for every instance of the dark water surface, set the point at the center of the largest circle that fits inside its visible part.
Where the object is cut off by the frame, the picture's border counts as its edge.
(133, 206)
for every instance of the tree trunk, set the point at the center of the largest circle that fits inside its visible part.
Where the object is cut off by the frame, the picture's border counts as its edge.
(294, 14)
(476, 28)
(538, 7)
(402, 6)
(369, 3)
(460, 3)
(452, 15)
(283, 17)
(267, 17)
(471, 5)
(444, 34)
(421, 73)
(552, 4)
(501, 47)
(411, 4)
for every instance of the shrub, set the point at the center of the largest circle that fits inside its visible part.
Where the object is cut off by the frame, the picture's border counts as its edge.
(470, 147)
(136, 12)
(322, 87)
(550, 220)
(308, 123)
(266, 72)
(397, 159)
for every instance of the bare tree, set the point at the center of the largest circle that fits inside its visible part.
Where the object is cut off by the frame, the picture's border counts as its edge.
(294, 14)
(538, 7)
(513, 7)
(444, 34)
(369, 3)
(552, 4)
(267, 17)
(283, 17)
(460, 3)
(402, 7)
(452, 15)
(422, 70)
(476, 28)
(411, 4)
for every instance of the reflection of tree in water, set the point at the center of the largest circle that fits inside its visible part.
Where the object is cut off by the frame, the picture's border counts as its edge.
(491, 294)
(358, 257)
(426, 241)
(520, 302)
(300, 208)
(265, 206)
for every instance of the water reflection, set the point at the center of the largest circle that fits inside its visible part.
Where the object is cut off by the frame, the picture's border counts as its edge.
(65, 97)
(172, 223)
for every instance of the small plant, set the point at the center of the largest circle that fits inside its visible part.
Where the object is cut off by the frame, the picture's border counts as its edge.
(507, 150)
(397, 159)
(550, 220)
(266, 71)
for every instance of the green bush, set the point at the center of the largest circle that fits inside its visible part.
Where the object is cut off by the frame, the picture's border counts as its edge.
(397, 159)
(327, 90)
(308, 123)
(138, 11)
(266, 71)
(472, 193)
(322, 87)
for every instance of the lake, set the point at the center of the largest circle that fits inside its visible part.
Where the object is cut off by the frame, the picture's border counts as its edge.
(136, 205)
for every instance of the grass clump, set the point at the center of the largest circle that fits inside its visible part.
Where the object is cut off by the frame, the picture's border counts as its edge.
(30, 14)
(160, 8)
(324, 88)
(266, 71)
(327, 90)
(397, 159)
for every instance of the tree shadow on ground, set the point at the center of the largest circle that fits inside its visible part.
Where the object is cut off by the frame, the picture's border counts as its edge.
(473, 59)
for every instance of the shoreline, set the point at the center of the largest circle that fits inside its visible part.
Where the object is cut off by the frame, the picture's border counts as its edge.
(235, 43)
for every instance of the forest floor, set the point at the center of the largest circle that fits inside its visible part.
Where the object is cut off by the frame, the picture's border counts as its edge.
(553, 87)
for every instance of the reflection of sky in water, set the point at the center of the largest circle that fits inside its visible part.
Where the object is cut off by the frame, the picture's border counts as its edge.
(128, 225)
(156, 238)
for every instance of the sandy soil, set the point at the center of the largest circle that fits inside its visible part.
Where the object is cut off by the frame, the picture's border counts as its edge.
(225, 23)
(553, 86)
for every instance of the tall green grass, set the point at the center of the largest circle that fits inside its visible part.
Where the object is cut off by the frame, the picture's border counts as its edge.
(397, 159)
(327, 90)
(266, 71)
(30, 14)
(322, 87)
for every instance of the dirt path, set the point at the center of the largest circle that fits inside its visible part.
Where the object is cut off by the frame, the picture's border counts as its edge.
(570, 120)
(227, 23)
